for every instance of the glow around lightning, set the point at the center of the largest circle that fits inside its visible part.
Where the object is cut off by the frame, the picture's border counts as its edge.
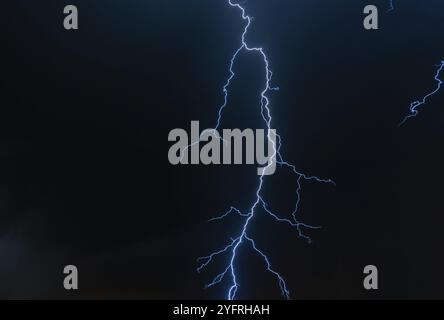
(414, 106)
(259, 204)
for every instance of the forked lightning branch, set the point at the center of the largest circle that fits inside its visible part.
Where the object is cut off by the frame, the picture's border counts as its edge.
(186, 150)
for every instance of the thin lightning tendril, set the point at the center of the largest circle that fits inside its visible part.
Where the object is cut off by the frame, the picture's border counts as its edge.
(243, 237)
(392, 6)
(417, 104)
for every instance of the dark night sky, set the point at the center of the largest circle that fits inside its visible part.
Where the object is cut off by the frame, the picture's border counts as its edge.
(84, 174)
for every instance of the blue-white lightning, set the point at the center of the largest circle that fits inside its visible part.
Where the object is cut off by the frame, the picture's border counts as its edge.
(243, 238)
(417, 104)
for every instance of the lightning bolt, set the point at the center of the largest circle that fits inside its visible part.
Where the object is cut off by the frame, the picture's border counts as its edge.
(243, 238)
(417, 104)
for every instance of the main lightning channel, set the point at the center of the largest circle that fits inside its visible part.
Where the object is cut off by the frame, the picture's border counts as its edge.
(243, 237)
(417, 104)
